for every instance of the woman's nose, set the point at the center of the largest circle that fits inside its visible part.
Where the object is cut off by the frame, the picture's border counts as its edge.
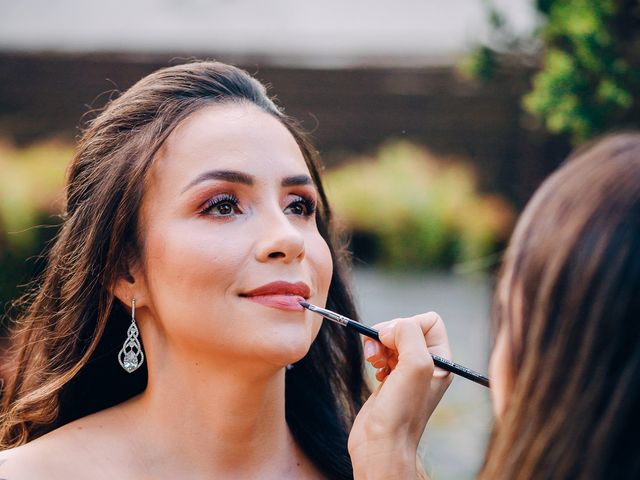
(280, 240)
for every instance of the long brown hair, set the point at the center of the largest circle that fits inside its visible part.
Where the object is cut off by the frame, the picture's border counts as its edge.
(568, 302)
(66, 341)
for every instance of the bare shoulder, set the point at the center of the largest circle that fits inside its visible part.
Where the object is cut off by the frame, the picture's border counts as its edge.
(71, 451)
(27, 462)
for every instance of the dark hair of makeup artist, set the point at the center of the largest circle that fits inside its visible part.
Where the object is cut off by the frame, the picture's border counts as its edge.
(65, 344)
(568, 301)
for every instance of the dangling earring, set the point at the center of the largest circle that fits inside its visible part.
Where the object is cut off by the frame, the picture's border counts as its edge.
(130, 355)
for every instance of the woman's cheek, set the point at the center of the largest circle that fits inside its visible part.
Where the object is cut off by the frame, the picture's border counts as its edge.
(324, 266)
(499, 373)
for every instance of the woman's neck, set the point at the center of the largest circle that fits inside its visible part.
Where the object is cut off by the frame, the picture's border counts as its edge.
(222, 420)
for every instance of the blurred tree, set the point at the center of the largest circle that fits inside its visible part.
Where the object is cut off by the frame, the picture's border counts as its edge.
(589, 81)
(31, 196)
(408, 208)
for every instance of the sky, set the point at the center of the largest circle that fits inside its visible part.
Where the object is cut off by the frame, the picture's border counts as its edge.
(325, 33)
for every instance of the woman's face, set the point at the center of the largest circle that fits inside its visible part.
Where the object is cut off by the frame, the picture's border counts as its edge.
(499, 373)
(230, 242)
(500, 370)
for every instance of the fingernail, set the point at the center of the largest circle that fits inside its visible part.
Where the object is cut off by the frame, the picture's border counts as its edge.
(369, 349)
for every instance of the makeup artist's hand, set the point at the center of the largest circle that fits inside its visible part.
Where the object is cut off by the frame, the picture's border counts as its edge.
(384, 439)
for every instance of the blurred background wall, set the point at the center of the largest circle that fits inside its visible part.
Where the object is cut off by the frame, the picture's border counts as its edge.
(351, 108)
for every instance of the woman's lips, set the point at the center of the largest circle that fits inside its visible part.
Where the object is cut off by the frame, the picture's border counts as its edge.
(283, 302)
(282, 295)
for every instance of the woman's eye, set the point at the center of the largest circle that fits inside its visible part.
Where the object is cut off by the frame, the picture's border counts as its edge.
(224, 208)
(221, 206)
(301, 206)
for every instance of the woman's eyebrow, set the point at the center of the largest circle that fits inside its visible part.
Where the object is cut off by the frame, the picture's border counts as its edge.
(296, 180)
(226, 175)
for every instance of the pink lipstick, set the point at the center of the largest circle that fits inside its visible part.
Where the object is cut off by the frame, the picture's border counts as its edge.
(280, 295)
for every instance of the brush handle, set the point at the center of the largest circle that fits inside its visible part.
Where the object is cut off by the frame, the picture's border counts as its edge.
(438, 361)
(443, 363)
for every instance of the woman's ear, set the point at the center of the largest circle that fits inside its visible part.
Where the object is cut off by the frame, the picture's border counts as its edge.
(131, 284)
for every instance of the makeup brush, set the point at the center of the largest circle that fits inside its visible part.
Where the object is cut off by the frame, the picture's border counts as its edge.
(441, 362)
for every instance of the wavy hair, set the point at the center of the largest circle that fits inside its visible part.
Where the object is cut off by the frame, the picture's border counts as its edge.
(64, 344)
(568, 302)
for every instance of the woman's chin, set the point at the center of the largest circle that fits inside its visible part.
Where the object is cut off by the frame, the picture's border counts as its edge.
(285, 344)
(291, 353)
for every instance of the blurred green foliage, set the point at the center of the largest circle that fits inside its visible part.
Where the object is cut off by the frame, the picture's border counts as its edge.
(409, 209)
(31, 197)
(589, 80)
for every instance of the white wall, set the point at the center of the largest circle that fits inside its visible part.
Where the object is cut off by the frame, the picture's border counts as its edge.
(325, 32)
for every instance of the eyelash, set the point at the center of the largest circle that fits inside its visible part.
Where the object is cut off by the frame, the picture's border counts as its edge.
(309, 205)
(215, 202)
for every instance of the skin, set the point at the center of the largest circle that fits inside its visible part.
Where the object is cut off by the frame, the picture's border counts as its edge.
(386, 433)
(214, 405)
(208, 349)
(500, 360)
(499, 374)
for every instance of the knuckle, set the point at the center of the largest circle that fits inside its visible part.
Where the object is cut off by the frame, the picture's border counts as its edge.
(380, 325)
(431, 317)
(426, 320)
(415, 320)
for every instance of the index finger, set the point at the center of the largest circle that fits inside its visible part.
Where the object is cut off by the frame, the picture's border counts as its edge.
(433, 331)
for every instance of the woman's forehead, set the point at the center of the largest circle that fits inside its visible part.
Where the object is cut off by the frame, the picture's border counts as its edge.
(232, 137)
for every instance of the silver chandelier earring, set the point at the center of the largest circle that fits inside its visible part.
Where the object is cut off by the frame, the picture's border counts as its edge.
(131, 356)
